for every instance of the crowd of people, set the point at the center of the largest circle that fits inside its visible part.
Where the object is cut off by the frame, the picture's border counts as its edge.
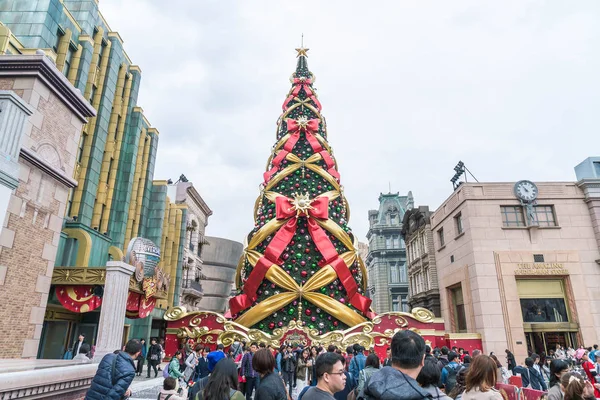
(411, 370)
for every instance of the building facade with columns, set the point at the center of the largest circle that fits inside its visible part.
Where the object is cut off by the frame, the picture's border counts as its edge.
(420, 257)
(114, 199)
(519, 264)
(386, 259)
(191, 289)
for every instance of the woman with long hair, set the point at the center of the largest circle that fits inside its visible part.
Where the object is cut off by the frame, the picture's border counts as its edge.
(502, 373)
(428, 378)
(575, 387)
(222, 383)
(480, 380)
(558, 368)
(304, 370)
(459, 388)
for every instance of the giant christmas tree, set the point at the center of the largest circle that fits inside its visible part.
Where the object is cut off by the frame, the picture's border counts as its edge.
(301, 260)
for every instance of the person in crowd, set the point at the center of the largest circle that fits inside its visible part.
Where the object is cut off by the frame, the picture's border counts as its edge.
(358, 361)
(592, 354)
(574, 387)
(450, 371)
(154, 357)
(428, 378)
(80, 342)
(237, 348)
(271, 386)
(191, 362)
(536, 364)
(220, 384)
(288, 367)
(443, 359)
(84, 350)
(349, 356)
(530, 376)
(161, 345)
(461, 354)
(557, 369)
(399, 380)
(174, 370)
(304, 370)
(459, 388)
(502, 373)
(202, 365)
(428, 356)
(349, 386)
(371, 366)
(279, 358)
(387, 362)
(590, 372)
(331, 348)
(248, 371)
(331, 377)
(238, 363)
(510, 360)
(436, 352)
(215, 356)
(476, 353)
(115, 373)
(467, 361)
(141, 360)
(560, 352)
(170, 390)
(481, 379)
(314, 353)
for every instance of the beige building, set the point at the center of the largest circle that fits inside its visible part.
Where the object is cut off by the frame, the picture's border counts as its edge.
(45, 146)
(518, 263)
(191, 291)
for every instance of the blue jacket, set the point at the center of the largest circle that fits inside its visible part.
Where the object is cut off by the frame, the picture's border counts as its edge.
(453, 365)
(531, 377)
(357, 364)
(213, 358)
(102, 387)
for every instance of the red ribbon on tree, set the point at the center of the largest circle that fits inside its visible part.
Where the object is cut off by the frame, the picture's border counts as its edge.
(291, 209)
(302, 83)
(309, 127)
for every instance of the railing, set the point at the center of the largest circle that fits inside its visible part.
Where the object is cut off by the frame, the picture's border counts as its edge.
(192, 284)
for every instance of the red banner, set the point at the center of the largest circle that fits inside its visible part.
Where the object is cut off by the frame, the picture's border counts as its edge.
(532, 394)
(78, 299)
(509, 392)
(138, 306)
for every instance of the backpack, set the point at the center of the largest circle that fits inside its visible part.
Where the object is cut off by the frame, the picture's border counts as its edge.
(451, 377)
(166, 371)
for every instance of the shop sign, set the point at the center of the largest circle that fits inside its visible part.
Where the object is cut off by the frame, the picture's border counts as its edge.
(541, 269)
(144, 255)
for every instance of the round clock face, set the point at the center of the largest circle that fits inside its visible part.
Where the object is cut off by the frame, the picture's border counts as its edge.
(526, 190)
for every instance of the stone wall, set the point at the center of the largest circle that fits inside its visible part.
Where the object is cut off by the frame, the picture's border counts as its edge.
(34, 218)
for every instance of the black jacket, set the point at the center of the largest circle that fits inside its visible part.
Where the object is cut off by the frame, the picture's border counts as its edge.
(531, 377)
(202, 368)
(288, 364)
(108, 384)
(271, 388)
(154, 350)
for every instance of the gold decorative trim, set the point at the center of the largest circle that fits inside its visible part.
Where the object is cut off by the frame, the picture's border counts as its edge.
(79, 276)
(462, 336)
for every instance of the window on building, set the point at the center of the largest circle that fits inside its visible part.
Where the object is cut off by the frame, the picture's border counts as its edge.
(426, 279)
(597, 168)
(458, 305)
(393, 219)
(545, 215)
(458, 223)
(452, 258)
(396, 304)
(538, 258)
(394, 278)
(68, 59)
(200, 249)
(441, 237)
(403, 273)
(82, 140)
(544, 310)
(396, 241)
(388, 242)
(512, 216)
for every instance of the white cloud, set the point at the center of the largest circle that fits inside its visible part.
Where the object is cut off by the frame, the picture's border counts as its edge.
(408, 89)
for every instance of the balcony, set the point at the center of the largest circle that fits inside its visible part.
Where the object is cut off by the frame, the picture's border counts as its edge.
(191, 288)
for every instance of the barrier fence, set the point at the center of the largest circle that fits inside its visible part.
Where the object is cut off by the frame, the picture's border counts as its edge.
(512, 392)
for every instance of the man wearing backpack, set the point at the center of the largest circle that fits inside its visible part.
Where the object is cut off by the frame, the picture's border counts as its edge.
(449, 372)
(357, 363)
(115, 373)
(443, 359)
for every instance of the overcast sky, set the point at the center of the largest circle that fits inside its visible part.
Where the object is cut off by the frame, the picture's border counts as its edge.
(409, 88)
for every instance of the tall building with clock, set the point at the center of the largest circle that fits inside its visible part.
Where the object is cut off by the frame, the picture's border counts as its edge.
(518, 263)
(386, 258)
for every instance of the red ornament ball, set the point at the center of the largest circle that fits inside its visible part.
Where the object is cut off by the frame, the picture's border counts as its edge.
(308, 312)
(272, 325)
(304, 274)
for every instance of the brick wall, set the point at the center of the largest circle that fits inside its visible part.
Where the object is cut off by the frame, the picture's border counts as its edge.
(30, 236)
